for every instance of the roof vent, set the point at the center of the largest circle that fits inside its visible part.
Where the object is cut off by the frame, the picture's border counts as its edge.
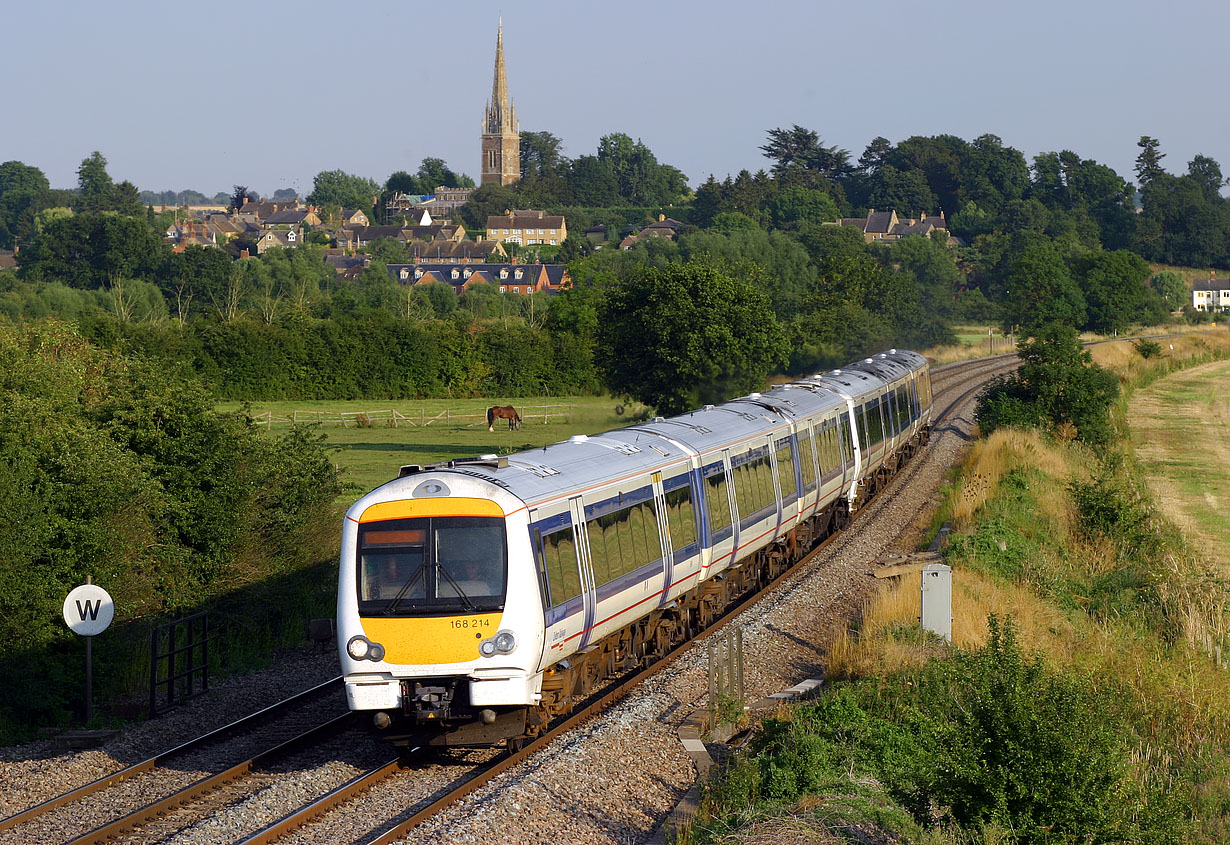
(753, 396)
(707, 408)
(867, 361)
(578, 438)
(659, 419)
(892, 351)
(836, 372)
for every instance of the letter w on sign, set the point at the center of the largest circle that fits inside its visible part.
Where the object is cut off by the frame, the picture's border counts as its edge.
(91, 608)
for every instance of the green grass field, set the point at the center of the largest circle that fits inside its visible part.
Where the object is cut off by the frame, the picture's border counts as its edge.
(1178, 430)
(371, 454)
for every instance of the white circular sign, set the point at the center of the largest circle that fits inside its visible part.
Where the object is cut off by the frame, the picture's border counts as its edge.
(88, 610)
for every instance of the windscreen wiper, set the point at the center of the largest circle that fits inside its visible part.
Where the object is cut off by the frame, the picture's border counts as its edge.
(469, 605)
(405, 588)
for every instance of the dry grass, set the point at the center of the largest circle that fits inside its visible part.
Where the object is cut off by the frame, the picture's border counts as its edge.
(1181, 694)
(1121, 357)
(993, 457)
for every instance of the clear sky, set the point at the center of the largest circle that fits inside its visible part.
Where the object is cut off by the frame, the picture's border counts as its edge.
(199, 96)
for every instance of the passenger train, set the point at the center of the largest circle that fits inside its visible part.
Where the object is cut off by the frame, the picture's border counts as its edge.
(479, 598)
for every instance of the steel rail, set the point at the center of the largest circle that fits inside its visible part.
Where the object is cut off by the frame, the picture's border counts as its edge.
(244, 723)
(208, 784)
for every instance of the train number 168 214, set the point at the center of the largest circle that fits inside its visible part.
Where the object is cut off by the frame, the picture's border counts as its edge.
(471, 623)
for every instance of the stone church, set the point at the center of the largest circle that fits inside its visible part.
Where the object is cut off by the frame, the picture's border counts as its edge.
(501, 135)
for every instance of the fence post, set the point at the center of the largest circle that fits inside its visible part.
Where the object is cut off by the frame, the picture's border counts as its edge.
(712, 666)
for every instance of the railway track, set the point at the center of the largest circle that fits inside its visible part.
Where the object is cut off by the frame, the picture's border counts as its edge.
(418, 798)
(277, 730)
(954, 383)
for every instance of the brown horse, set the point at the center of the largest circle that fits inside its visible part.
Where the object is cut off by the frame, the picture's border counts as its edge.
(503, 412)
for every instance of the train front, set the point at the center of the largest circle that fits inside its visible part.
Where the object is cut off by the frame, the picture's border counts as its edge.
(439, 610)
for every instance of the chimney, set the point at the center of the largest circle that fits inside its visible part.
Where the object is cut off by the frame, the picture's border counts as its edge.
(661, 218)
(243, 253)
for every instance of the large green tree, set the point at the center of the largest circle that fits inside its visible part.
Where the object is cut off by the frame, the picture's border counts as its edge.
(1035, 285)
(1114, 287)
(91, 250)
(336, 187)
(23, 193)
(683, 335)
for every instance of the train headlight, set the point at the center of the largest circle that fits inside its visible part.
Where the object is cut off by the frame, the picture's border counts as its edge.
(358, 647)
(505, 642)
(361, 648)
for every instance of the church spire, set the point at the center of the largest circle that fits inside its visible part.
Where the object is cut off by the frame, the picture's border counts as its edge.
(501, 118)
(501, 139)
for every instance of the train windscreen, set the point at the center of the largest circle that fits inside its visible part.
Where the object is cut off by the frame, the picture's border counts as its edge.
(443, 564)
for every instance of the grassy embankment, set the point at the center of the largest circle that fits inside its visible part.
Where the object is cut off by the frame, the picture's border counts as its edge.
(1105, 709)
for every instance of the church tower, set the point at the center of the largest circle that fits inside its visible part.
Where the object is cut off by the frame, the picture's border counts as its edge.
(501, 138)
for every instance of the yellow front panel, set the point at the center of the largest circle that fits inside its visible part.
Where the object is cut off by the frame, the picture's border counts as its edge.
(407, 508)
(432, 639)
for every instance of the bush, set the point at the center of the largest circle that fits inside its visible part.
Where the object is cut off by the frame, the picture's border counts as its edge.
(989, 741)
(1057, 386)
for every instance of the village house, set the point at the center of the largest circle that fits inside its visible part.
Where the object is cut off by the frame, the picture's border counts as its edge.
(511, 278)
(1211, 295)
(274, 238)
(886, 226)
(663, 227)
(527, 227)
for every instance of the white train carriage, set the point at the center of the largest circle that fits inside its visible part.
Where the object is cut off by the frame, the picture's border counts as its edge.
(477, 599)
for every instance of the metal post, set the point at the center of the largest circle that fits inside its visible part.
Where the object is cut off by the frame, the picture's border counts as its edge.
(730, 661)
(89, 679)
(739, 663)
(712, 686)
(89, 670)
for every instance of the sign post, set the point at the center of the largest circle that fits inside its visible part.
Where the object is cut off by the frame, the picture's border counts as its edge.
(88, 611)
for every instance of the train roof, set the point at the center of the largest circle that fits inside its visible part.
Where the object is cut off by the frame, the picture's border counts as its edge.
(585, 461)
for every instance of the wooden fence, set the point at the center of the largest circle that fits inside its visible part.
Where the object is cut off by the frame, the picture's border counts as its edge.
(392, 418)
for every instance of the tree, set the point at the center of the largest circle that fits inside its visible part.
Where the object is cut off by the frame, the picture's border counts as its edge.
(874, 155)
(1149, 162)
(198, 273)
(94, 183)
(797, 205)
(241, 195)
(1207, 173)
(1114, 287)
(1036, 286)
(1057, 385)
(88, 250)
(336, 187)
(802, 148)
(1173, 289)
(684, 335)
(401, 182)
(24, 191)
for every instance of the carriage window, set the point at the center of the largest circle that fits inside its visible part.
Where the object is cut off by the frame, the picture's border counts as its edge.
(718, 501)
(847, 441)
(559, 550)
(862, 427)
(806, 457)
(681, 516)
(754, 485)
(599, 556)
(785, 470)
(646, 542)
